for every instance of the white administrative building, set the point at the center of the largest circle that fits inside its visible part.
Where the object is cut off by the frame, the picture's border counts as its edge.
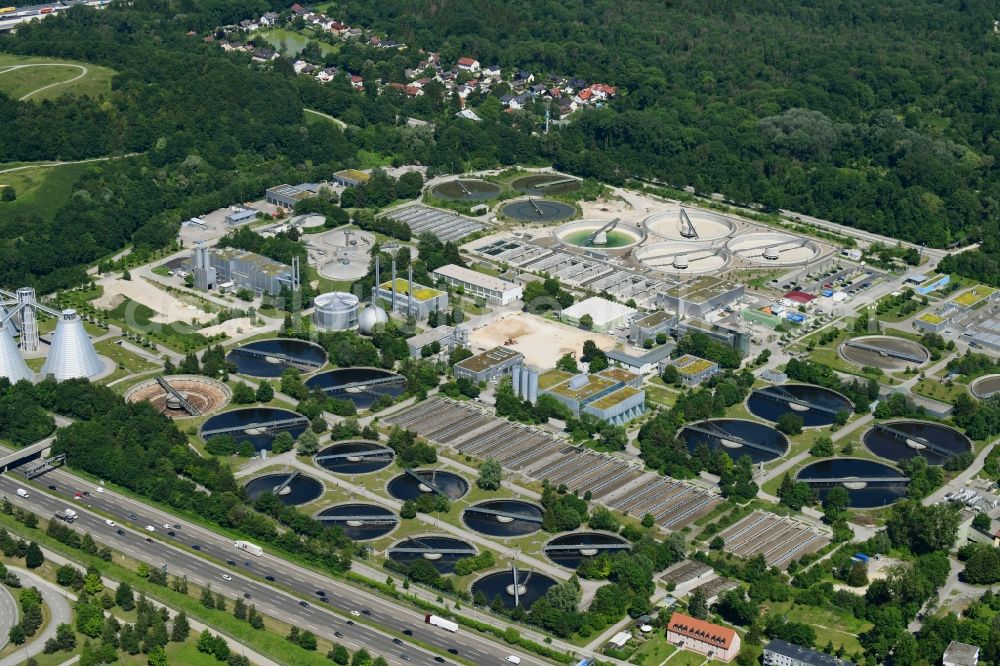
(605, 314)
(493, 289)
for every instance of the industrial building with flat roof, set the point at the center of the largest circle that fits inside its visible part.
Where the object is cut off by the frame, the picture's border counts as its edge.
(960, 654)
(924, 284)
(418, 304)
(488, 365)
(286, 196)
(973, 298)
(782, 653)
(693, 370)
(491, 289)
(448, 337)
(638, 361)
(647, 328)
(608, 396)
(931, 322)
(700, 296)
(605, 314)
(248, 270)
(690, 633)
(351, 177)
(241, 216)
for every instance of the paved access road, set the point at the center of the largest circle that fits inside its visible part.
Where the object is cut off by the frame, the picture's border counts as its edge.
(249, 576)
(56, 600)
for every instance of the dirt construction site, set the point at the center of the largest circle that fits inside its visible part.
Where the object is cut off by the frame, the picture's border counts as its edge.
(541, 341)
(168, 308)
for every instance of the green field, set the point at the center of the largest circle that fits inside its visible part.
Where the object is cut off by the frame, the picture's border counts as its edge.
(177, 335)
(17, 81)
(41, 190)
(291, 43)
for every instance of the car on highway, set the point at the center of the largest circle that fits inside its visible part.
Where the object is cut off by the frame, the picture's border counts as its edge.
(99, 489)
(149, 540)
(172, 533)
(365, 611)
(166, 526)
(404, 657)
(270, 578)
(78, 496)
(226, 577)
(196, 546)
(110, 522)
(132, 516)
(231, 563)
(120, 532)
(438, 659)
(246, 595)
(407, 632)
(397, 641)
(320, 593)
(52, 487)
(177, 527)
(150, 528)
(304, 604)
(350, 623)
(355, 613)
(452, 651)
(337, 634)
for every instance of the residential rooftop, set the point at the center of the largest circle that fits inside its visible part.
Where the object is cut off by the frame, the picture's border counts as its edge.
(420, 292)
(615, 397)
(701, 289)
(488, 359)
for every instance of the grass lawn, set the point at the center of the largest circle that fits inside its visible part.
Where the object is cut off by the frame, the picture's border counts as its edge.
(41, 190)
(291, 42)
(23, 80)
(315, 117)
(176, 335)
(831, 624)
(653, 651)
(932, 388)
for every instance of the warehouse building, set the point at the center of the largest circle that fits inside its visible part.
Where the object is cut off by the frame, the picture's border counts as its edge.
(692, 369)
(351, 177)
(931, 322)
(610, 398)
(703, 637)
(247, 270)
(605, 314)
(960, 654)
(412, 299)
(782, 653)
(924, 284)
(698, 297)
(718, 331)
(491, 289)
(241, 216)
(286, 196)
(489, 365)
(648, 327)
(447, 337)
(638, 361)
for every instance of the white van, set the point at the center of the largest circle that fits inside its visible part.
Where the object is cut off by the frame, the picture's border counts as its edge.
(21, 492)
(513, 659)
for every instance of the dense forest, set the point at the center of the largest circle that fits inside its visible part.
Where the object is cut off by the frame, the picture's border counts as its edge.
(881, 115)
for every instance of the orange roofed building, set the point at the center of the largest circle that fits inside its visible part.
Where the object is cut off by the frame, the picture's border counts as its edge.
(690, 633)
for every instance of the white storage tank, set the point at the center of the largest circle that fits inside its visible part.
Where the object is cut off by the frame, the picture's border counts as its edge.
(336, 311)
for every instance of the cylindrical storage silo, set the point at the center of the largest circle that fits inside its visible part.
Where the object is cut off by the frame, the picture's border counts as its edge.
(515, 381)
(532, 386)
(336, 311)
(524, 383)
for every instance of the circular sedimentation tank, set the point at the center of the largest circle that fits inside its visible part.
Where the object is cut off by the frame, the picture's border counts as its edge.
(361, 522)
(206, 395)
(441, 551)
(270, 358)
(737, 437)
(250, 424)
(300, 490)
(773, 248)
(355, 389)
(885, 352)
(985, 387)
(816, 405)
(669, 224)
(902, 440)
(545, 183)
(578, 234)
(503, 518)
(869, 484)
(531, 585)
(356, 457)
(405, 487)
(683, 258)
(542, 211)
(466, 189)
(569, 550)
(343, 254)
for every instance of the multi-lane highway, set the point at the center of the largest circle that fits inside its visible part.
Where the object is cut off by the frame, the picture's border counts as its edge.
(191, 550)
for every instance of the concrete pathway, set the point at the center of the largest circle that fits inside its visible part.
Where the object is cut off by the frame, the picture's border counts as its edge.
(57, 600)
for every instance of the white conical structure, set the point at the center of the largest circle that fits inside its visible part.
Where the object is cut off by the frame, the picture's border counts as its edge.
(72, 354)
(12, 365)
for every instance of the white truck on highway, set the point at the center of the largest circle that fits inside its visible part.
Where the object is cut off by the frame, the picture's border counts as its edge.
(68, 515)
(436, 621)
(248, 547)
(21, 492)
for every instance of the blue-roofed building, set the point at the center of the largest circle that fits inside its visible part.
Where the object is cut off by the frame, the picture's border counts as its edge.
(241, 216)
